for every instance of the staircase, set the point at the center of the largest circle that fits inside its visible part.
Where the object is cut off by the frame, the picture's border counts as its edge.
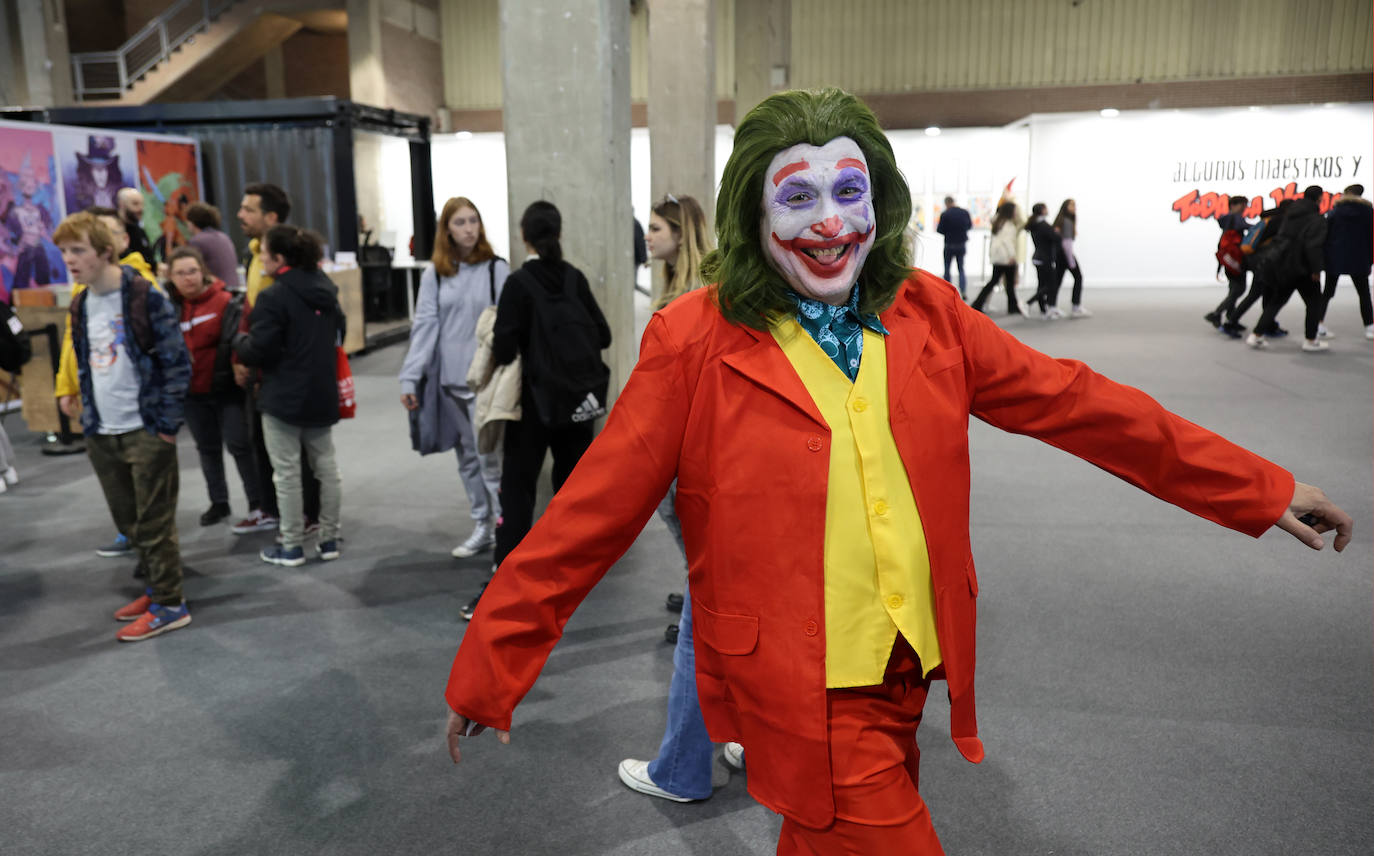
(188, 52)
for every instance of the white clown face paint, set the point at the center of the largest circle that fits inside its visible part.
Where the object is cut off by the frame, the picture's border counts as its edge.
(817, 217)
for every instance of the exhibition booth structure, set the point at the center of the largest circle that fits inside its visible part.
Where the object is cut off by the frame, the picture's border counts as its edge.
(1147, 183)
(59, 160)
(321, 151)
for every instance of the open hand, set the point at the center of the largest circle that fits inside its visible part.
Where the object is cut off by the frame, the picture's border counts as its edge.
(69, 406)
(1318, 514)
(460, 726)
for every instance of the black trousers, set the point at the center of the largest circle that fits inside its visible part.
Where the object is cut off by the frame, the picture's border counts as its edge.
(1044, 286)
(1310, 291)
(310, 485)
(526, 443)
(1259, 283)
(1361, 283)
(1235, 287)
(217, 423)
(956, 255)
(1000, 273)
(1059, 270)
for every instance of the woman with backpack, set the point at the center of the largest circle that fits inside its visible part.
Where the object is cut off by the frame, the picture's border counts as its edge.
(214, 403)
(465, 277)
(548, 317)
(1066, 224)
(297, 327)
(1002, 253)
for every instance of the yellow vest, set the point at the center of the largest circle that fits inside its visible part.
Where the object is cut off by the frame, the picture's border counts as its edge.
(257, 280)
(877, 570)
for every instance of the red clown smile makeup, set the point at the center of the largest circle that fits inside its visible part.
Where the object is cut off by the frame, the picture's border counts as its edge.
(817, 217)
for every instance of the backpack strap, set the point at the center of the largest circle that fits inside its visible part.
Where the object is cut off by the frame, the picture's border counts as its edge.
(491, 277)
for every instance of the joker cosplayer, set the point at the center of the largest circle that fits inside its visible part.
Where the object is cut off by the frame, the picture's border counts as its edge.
(813, 406)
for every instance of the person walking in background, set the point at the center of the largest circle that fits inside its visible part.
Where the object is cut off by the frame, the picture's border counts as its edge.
(1002, 253)
(1296, 266)
(1066, 224)
(954, 225)
(129, 201)
(14, 352)
(465, 277)
(215, 247)
(263, 207)
(214, 404)
(296, 331)
(546, 294)
(1349, 248)
(1045, 257)
(1259, 248)
(680, 237)
(133, 373)
(1233, 229)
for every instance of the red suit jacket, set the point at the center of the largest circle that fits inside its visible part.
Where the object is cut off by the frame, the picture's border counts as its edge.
(719, 407)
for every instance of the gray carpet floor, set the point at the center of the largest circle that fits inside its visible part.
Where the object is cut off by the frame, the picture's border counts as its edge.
(1149, 683)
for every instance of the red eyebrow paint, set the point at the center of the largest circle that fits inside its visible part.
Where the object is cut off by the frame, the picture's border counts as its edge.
(854, 162)
(788, 170)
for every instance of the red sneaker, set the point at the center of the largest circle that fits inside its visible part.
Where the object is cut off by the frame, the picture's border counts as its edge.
(132, 611)
(156, 621)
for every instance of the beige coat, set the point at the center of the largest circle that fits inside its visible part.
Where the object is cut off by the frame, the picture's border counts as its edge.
(497, 388)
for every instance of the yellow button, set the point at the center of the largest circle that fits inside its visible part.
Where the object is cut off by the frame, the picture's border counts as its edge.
(895, 601)
(880, 508)
(860, 405)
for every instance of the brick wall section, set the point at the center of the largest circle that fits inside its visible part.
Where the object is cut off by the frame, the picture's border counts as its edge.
(994, 107)
(316, 64)
(413, 67)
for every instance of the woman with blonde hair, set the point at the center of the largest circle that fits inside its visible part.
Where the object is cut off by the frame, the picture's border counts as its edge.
(466, 277)
(680, 237)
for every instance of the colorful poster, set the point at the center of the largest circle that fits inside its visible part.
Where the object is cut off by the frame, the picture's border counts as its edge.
(29, 210)
(169, 179)
(95, 165)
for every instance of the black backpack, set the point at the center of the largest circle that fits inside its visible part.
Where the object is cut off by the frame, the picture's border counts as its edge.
(567, 379)
(15, 349)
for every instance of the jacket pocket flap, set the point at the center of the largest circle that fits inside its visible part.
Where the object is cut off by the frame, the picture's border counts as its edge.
(728, 634)
(942, 360)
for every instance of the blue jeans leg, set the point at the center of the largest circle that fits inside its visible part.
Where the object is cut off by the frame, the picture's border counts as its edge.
(683, 765)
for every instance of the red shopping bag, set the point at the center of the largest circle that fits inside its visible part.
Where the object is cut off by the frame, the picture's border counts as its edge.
(348, 404)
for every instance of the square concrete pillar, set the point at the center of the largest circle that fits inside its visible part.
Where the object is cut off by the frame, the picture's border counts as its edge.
(566, 73)
(366, 79)
(763, 51)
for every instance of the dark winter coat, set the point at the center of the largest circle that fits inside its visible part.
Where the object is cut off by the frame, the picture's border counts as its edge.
(295, 329)
(1350, 237)
(1304, 234)
(1046, 241)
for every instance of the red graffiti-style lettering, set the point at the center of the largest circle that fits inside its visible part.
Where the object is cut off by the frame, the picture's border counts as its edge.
(1288, 191)
(1211, 206)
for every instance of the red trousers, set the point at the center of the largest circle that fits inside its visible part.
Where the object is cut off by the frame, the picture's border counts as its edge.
(875, 766)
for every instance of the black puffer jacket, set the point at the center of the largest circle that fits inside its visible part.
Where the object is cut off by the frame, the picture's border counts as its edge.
(1304, 232)
(295, 327)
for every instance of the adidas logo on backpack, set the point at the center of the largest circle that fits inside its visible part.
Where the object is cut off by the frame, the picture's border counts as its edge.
(588, 410)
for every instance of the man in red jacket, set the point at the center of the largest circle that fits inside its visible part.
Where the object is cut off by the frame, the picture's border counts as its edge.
(821, 391)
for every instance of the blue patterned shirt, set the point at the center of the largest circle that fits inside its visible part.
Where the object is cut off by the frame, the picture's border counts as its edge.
(838, 329)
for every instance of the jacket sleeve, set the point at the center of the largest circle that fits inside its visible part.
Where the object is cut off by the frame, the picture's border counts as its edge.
(264, 343)
(424, 332)
(173, 359)
(942, 224)
(66, 382)
(1313, 245)
(512, 319)
(1119, 429)
(591, 522)
(584, 293)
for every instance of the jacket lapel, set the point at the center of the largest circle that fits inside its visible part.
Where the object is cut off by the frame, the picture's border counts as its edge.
(909, 334)
(765, 364)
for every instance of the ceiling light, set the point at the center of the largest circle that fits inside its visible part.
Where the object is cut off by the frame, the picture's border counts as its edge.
(464, 135)
(1109, 112)
(933, 131)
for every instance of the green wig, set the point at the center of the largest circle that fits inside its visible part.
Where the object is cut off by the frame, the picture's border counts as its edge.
(749, 291)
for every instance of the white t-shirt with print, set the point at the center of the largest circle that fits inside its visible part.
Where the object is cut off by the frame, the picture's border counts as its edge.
(114, 378)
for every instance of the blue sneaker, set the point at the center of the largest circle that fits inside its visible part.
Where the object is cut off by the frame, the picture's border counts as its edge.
(328, 550)
(156, 621)
(120, 547)
(287, 557)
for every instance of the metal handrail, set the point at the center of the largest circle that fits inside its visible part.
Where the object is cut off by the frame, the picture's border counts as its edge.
(104, 73)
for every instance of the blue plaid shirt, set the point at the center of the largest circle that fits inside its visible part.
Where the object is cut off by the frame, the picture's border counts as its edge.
(838, 329)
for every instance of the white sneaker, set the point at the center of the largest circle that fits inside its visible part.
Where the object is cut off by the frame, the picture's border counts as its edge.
(1055, 314)
(1315, 346)
(10, 476)
(1256, 342)
(635, 775)
(483, 538)
(3, 486)
(734, 755)
(1369, 332)
(1080, 312)
(1323, 333)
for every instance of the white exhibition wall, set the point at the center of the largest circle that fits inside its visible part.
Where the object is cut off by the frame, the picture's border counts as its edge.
(1133, 178)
